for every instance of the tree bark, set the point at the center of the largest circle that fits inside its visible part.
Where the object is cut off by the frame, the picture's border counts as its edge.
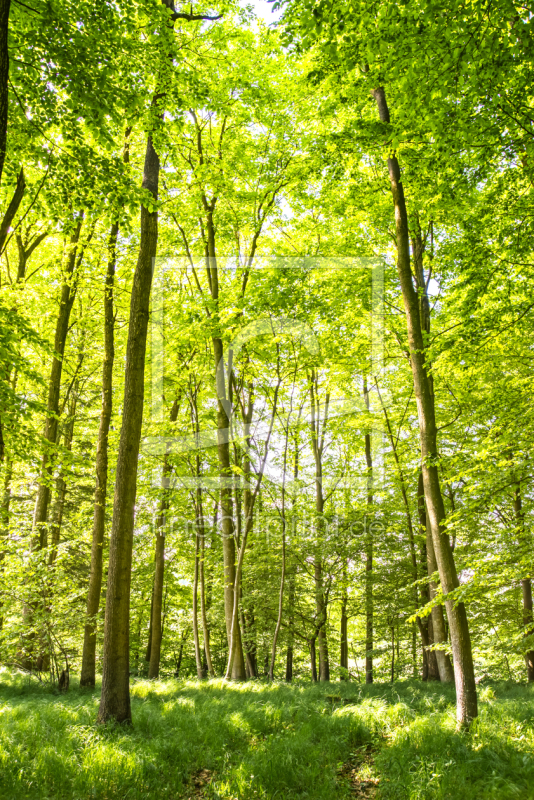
(5, 6)
(526, 586)
(61, 483)
(68, 292)
(88, 670)
(344, 644)
(115, 698)
(156, 628)
(439, 635)
(466, 696)
(369, 599)
(318, 430)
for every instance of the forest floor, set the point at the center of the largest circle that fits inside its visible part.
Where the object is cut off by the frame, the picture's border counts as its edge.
(241, 742)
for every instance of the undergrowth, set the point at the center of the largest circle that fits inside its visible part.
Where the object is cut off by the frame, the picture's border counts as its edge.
(255, 740)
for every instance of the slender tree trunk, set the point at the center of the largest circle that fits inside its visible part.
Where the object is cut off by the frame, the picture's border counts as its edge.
(291, 634)
(313, 659)
(281, 593)
(156, 627)
(68, 292)
(318, 430)
(526, 586)
(392, 654)
(203, 611)
(238, 671)
(369, 599)
(115, 698)
(61, 483)
(344, 644)
(196, 637)
(88, 671)
(466, 695)
(4, 77)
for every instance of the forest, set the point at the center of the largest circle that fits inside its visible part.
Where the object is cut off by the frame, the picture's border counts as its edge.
(266, 369)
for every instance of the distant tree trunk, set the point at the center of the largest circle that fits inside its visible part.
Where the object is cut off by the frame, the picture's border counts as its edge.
(466, 695)
(369, 600)
(291, 621)
(88, 670)
(283, 573)
(4, 78)
(204, 604)
(313, 659)
(526, 586)
(61, 483)
(344, 644)
(115, 698)
(203, 612)
(392, 654)
(159, 563)
(198, 660)
(238, 672)
(318, 430)
(149, 642)
(68, 292)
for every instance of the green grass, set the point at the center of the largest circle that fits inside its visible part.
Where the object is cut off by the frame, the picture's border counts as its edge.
(218, 740)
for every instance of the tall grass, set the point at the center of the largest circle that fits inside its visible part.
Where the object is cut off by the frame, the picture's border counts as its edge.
(255, 740)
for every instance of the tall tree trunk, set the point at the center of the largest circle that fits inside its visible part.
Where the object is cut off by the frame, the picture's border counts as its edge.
(115, 698)
(369, 599)
(343, 628)
(466, 695)
(88, 671)
(5, 6)
(439, 634)
(198, 660)
(526, 586)
(203, 605)
(318, 431)
(156, 628)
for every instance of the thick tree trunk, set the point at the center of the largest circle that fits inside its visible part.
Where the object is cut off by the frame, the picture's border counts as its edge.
(5, 6)
(115, 698)
(12, 209)
(439, 635)
(466, 696)
(88, 671)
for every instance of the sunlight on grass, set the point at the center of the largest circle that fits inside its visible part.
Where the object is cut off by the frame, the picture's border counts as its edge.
(219, 740)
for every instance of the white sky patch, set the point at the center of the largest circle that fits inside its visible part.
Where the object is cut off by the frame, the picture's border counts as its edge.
(263, 10)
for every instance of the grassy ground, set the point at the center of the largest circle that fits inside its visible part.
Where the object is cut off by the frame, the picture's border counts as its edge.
(215, 740)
